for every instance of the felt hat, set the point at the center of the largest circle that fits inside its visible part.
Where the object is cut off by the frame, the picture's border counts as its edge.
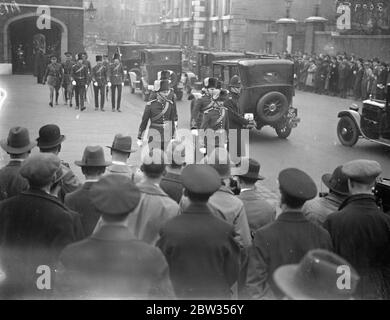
(50, 136)
(93, 157)
(18, 141)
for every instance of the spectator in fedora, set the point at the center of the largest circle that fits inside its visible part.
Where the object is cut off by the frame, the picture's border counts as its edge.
(50, 141)
(202, 254)
(258, 210)
(318, 209)
(18, 146)
(93, 166)
(316, 277)
(120, 153)
(171, 182)
(112, 262)
(34, 228)
(360, 231)
(155, 207)
(288, 239)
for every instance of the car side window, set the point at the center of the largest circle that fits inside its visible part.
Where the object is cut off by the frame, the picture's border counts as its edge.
(271, 77)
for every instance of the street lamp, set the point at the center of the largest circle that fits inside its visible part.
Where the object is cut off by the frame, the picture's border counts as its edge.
(317, 8)
(288, 4)
(91, 11)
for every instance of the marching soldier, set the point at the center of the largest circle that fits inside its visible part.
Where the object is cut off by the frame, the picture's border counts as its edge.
(67, 82)
(204, 103)
(99, 79)
(79, 81)
(216, 119)
(53, 76)
(106, 63)
(116, 82)
(236, 120)
(162, 114)
(87, 63)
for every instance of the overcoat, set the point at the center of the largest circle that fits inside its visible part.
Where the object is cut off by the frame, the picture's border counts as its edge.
(111, 263)
(34, 229)
(80, 202)
(202, 254)
(285, 241)
(11, 182)
(361, 235)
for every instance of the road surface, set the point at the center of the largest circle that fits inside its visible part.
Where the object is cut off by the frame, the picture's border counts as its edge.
(312, 147)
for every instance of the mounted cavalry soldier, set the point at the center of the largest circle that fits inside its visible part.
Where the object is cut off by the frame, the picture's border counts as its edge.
(53, 76)
(80, 82)
(99, 79)
(67, 82)
(162, 114)
(116, 82)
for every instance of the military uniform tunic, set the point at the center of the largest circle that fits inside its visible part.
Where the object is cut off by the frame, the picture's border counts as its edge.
(80, 75)
(162, 118)
(99, 75)
(54, 75)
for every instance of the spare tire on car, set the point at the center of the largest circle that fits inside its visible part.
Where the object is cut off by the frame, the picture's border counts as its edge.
(272, 108)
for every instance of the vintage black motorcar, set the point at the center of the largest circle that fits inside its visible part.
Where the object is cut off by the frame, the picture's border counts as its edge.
(205, 60)
(267, 91)
(130, 54)
(154, 61)
(373, 123)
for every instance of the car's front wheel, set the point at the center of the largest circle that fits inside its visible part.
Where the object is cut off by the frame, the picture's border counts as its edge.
(283, 131)
(348, 132)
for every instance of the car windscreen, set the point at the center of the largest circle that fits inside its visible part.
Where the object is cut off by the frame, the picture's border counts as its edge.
(164, 58)
(263, 75)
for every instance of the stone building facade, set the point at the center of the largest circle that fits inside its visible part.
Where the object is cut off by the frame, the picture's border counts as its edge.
(24, 27)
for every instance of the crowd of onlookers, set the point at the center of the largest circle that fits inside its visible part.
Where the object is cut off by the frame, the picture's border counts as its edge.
(167, 229)
(341, 75)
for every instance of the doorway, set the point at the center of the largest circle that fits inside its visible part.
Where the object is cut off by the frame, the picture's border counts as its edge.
(26, 38)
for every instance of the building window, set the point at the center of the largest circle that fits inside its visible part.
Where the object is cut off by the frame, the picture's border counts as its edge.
(215, 8)
(227, 8)
(187, 8)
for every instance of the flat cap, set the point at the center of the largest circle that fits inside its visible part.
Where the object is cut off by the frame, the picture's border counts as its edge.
(201, 179)
(363, 171)
(115, 195)
(297, 184)
(40, 169)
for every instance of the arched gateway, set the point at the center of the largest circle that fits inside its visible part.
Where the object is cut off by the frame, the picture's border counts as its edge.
(20, 35)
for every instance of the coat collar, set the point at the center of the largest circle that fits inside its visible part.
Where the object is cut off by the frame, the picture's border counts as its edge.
(367, 199)
(292, 216)
(113, 233)
(15, 163)
(36, 193)
(88, 185)
(197, 208)
(151, 189)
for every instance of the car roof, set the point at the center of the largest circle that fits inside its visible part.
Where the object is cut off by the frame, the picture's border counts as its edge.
(224, 53)
(254, 62)
(162, 50)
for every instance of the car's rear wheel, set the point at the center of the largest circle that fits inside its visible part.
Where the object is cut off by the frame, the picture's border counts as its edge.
(283, 131)
(272, 107)
(348, 132)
